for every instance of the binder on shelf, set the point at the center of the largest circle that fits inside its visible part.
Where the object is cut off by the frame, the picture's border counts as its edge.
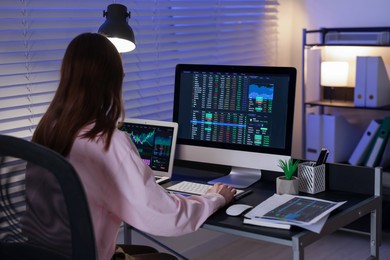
(385, 160)
(313, 90)
(360, 82)
(313, 136)
(379, 143)
(312, 74)
(377, 83)
(360, 153)
(338, 135)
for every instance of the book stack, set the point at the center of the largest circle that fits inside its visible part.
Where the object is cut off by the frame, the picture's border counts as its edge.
(283, 211)
(370, 149)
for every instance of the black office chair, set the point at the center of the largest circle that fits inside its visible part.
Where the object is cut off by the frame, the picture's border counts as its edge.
(43, 215)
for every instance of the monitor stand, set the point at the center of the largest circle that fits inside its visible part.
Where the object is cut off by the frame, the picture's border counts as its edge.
(239, 177)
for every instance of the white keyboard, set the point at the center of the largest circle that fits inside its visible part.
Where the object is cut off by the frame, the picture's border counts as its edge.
(192, 188)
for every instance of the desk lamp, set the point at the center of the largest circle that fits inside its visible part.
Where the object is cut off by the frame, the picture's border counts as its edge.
(117, 29)
(334, 74)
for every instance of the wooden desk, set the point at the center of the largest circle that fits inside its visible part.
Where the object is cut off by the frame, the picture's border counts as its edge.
(359, 186)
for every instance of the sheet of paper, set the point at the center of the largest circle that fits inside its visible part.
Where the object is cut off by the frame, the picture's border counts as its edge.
(268, 205)
(306, 212)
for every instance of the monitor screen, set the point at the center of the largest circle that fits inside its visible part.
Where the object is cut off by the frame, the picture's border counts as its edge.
(241, 116)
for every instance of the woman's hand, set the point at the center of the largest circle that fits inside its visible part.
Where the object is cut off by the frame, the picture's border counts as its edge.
(226, 191)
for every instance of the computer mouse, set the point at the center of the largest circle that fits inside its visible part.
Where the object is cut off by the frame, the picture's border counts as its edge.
(237, 209)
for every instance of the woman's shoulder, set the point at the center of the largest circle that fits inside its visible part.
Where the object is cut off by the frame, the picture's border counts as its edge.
(119, 142)
(121, 138)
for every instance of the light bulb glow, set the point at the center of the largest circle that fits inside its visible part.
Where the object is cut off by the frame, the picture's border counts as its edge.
(122, 45)
(334, 73)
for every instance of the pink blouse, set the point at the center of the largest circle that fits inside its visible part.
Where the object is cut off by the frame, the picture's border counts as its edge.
(120, 187)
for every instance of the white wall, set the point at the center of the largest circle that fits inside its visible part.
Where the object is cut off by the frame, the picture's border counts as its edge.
(295, 15)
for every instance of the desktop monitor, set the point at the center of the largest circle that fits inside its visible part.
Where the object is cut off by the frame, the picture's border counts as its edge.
(240, 116)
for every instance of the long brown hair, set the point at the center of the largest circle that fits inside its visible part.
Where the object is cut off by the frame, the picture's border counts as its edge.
(89, 92)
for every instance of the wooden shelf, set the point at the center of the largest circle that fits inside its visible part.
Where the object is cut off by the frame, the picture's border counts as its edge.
(342, 104)
(331, 103)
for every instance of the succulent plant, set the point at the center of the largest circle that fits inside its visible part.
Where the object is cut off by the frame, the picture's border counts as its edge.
(289, 167)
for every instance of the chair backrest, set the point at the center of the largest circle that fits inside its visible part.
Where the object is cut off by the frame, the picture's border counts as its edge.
(44, 213)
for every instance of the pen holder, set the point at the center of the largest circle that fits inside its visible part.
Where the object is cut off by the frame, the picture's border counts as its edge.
(311, 177)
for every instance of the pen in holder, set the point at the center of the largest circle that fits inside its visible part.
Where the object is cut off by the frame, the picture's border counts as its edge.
(311, 177)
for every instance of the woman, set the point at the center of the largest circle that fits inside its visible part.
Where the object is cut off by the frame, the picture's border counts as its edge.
(81, 124)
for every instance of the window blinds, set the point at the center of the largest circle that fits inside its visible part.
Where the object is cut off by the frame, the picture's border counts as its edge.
(35, 34)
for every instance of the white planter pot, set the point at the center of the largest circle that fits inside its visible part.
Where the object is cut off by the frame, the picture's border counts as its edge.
(284, 186)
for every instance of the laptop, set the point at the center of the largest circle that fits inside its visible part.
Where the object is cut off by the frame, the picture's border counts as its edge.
(156, 143)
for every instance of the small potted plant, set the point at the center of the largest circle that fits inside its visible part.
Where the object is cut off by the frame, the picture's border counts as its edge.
(287, 184)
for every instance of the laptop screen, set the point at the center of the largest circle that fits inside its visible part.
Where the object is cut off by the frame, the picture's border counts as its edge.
(155, 141)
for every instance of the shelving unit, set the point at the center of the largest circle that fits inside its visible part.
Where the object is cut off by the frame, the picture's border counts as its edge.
(330, 44)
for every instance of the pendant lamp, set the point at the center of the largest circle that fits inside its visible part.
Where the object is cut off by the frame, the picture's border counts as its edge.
(117, 29)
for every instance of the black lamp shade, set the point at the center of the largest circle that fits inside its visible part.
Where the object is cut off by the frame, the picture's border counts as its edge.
(117, 29)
